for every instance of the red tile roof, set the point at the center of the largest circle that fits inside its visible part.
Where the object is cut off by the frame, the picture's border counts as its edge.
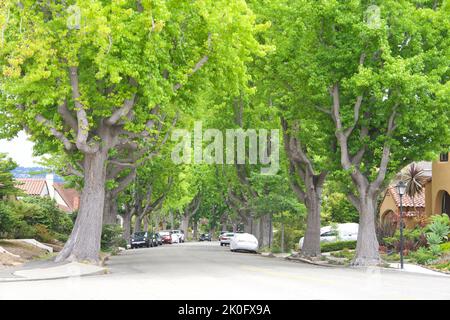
(34, 187)
(31, 187)
(407, 201)
(70, 196)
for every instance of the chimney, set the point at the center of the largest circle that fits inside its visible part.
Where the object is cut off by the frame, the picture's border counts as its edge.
(50, 179)
(76, 203)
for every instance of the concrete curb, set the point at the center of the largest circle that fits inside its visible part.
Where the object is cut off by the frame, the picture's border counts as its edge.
(424, 271)
(303, 260)
(297, 259)
(70, 270)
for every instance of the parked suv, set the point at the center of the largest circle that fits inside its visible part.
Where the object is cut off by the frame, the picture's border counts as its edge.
(140, 239)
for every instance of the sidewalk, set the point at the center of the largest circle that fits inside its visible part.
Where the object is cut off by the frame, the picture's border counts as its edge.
(415, 269)
(407, 267)
(47, 270)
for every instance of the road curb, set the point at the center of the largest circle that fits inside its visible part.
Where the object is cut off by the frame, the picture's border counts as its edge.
(84, 273)
(298, 259)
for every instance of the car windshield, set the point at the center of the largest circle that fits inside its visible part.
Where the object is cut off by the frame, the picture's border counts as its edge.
(139, 234)
(164, 233)
(229, 234)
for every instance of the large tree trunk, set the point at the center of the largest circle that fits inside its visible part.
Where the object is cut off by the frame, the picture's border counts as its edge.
(146, 223)
(212, 232)
(311, 243)
(367, 253)
(171, 220)
(137, 224)
(195, 230)
(249, 225)
(84, 241)
(110, 210)
(185, 224)
(265, 231)
(127, 226)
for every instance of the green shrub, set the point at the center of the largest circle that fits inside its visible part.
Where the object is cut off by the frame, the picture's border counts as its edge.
(43, 234)
(7, 220)
(438, 229)
(112, 237)
(34, 217)
(336, 246)
(276, 250)
(445, 247)
(423, 256)
(48, 214)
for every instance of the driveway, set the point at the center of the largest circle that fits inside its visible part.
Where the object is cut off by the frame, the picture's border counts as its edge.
(208, 271)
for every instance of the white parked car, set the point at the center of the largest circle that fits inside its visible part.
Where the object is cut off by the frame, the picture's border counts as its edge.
(343, 232)
(225, 239)
(244, 242)
(179, 234)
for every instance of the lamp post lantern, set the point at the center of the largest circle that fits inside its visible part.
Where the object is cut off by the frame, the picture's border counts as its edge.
(401, 188)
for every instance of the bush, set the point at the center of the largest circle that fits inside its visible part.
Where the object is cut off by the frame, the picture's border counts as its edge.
(423, 256)
(43, 234)
(413, 239)
(438, 229)
(34, 217)
(445, 247)
(336, 246)
(7, 220)
(48, 214)
(112, 237)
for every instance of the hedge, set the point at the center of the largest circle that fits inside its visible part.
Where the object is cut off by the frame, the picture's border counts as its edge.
(336, 246)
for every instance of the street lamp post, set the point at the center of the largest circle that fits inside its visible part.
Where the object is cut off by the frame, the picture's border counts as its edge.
(401, 188)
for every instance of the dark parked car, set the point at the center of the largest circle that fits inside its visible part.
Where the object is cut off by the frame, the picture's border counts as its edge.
(154, 239)
(205, 237)
(140, 239)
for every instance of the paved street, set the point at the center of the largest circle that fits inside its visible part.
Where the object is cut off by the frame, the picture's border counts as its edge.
(208, 271)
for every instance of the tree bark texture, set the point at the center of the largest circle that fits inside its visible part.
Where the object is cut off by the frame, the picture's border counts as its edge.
(84, 241)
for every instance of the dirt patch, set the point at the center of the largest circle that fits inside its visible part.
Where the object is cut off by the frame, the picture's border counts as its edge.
(26, 252)
(8, 260)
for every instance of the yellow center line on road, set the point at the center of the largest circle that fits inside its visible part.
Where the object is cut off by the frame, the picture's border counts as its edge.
(286, 275)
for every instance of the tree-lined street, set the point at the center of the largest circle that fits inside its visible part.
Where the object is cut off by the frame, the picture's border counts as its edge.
(208, 271)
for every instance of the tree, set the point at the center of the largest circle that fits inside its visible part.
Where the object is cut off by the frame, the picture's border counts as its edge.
(88, 76)
(280, 84)
(7, 185)
(380, 77)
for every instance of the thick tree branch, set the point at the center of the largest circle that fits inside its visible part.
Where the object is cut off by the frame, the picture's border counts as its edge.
(59, 135)
(83, 123)
(122, 112)
(67, 116)
(386, 152)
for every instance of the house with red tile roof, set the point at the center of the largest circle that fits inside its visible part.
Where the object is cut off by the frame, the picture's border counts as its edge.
(67, 199)
(435, 199)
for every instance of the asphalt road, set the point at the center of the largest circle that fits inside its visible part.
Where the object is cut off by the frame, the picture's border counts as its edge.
(208, 271)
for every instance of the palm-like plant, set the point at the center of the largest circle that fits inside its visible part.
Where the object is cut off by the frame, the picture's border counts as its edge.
(415, 180)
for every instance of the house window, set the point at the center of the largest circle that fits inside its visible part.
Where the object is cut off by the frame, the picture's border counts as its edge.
(444, 157)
